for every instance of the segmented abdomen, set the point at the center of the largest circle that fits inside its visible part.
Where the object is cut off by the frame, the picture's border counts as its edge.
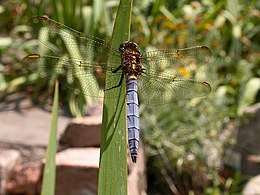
(132, 117)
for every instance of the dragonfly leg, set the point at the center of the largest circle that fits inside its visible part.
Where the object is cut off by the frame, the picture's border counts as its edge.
(117, 69)
(119, 84)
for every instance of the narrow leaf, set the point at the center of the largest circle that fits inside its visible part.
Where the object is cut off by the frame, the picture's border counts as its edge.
(49, 174)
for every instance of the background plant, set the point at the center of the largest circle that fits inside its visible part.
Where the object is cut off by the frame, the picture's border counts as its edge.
(188, 139)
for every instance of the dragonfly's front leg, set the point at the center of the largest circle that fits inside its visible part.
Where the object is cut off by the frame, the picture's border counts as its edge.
(121, 78)
(117, 69)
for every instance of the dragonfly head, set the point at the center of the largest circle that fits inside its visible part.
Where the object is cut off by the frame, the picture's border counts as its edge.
(128, 45)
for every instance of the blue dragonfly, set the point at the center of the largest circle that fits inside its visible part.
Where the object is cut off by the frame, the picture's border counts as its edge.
(161, 75)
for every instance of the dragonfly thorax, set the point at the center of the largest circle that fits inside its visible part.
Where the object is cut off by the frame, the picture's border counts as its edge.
(131, 59)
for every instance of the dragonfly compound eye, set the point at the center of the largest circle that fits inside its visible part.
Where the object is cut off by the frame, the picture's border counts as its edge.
(123, 46)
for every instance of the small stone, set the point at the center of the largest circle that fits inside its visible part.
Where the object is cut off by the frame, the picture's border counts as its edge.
(82, 132)
(8, 159)
(253, 186)
(25, 178)
(77, 171)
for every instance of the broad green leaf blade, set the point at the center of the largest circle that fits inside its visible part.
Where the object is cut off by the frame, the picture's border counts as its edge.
(113, 152)
(49, 174)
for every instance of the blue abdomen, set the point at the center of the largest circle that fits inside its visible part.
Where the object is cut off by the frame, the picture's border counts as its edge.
(132, 117)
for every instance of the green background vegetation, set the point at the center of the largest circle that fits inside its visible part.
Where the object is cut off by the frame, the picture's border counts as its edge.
(188, 140)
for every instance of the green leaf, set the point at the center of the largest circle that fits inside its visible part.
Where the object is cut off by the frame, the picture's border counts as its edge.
(113, 152)
(49, 174)
(248, 97)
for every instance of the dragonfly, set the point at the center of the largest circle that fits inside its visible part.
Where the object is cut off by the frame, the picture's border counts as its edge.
(159, 76)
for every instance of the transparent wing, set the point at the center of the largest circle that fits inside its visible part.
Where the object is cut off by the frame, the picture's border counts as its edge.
(78, 75)
(175, 63)
(81, 65)
(77, 44)
(158, 91)
(165, 77)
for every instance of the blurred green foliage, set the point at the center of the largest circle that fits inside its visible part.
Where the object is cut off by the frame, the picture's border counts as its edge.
(187, 141)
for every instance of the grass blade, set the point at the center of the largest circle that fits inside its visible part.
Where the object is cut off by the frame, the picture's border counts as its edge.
(113, 152)
(49, 174)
